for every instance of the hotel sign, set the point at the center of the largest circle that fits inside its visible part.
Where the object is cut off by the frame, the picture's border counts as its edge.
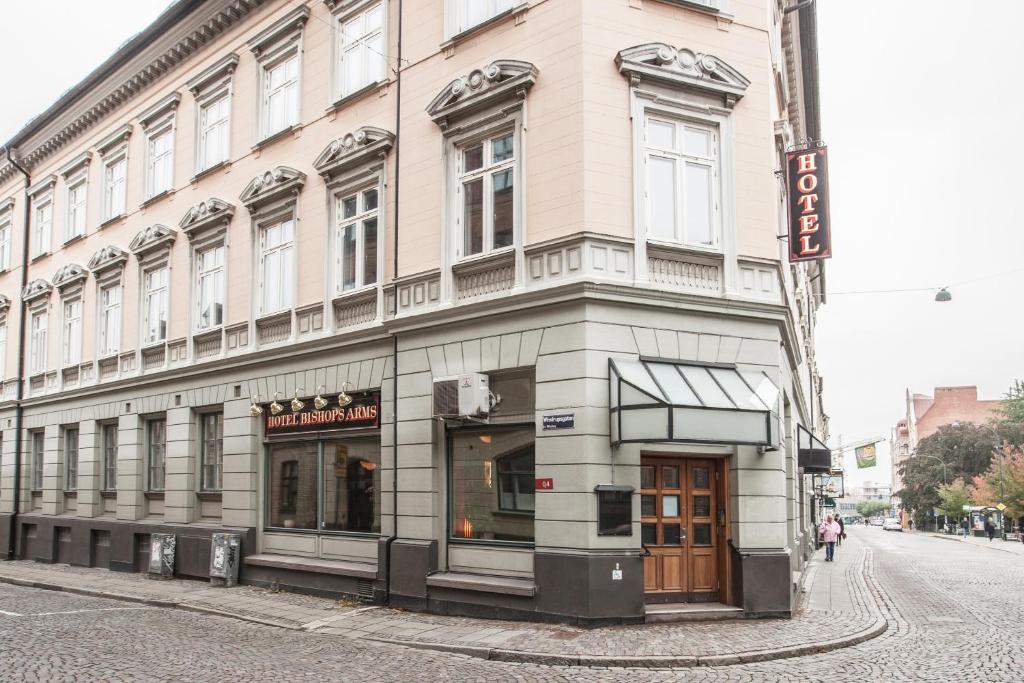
(809, 226)
(362, 413)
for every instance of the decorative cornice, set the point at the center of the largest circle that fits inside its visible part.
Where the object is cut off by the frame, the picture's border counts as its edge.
(212, 212)
(68, 275)
(219, 71)
(352, 150)
(682, 68)
(151, 238)
(279, 31)
(5, 303)
(163, 109)
(115, 140)
(272, 185)
(79, 163)
(503, 79)
(36, 289)
(44, 185)
(229, 14)
(106, 258)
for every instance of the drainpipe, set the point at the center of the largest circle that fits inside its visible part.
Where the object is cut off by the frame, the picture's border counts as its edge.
(18, 410)
(394, 336)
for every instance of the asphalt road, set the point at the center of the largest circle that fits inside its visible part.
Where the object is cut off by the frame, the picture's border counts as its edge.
(954, 611)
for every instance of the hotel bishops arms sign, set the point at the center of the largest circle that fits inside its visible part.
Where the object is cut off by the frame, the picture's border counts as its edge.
(807, 185)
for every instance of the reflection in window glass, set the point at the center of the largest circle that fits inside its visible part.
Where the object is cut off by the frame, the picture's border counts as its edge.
(492, 475)
(700, 478)
(647, 476)
(352, 486)
(702, 506)
(671, 533)
(649, 534)
(701, 534)
(648, 505)
(670, 476)
(293, 485)
(670, 506)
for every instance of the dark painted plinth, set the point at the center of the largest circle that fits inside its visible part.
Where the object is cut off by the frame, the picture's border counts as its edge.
(581, 588)
(765, 583)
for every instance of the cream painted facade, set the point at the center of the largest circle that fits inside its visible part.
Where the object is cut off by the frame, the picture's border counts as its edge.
(577, 279)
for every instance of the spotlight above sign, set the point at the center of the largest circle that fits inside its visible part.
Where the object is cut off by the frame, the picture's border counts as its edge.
(807, 188)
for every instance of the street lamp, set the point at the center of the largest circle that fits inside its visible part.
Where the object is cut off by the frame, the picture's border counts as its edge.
(943, 295)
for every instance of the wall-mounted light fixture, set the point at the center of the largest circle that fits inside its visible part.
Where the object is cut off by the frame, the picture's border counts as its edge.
(343, 398)
(297, 405)
(255, 410)
(275, 407)
(320, 402)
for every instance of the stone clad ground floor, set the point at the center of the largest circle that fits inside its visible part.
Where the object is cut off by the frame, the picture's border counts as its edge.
(498, 516)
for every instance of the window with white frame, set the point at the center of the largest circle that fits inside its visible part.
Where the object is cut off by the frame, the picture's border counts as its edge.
(681, 159)
(154, 299)
(3, 350)
(214, 131)
(71, 459)
(360, 46)
(356, 239)
(462, 15)
(114, 181)
(485, 207)
(72, 333)
(281, 94)
(76, 210)
(159, 161)
(109, 445)
(5, 243)
(42, 223)
(211, 454)
(38, 456)
(210, 287)
(156, 444)
(277, 266)
(37, 342)
(110, 321)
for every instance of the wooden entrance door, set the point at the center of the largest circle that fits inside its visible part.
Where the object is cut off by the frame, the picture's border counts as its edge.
(678, 504)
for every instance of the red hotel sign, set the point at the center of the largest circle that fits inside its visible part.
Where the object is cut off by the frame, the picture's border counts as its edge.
(363, 412)
(809, 226)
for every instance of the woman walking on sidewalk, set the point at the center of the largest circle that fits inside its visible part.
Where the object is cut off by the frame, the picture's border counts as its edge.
(990, 529)
(829, 531)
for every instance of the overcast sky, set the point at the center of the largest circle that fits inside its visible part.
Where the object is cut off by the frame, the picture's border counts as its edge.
(922, 113)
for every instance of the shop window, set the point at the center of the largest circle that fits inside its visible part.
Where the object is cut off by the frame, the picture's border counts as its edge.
(492, 473)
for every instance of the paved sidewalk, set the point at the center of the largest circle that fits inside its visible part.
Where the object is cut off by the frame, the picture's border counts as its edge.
(1015, 547)
(837, 610)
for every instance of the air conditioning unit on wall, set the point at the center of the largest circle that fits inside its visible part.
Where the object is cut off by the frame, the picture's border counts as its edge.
(466, 395)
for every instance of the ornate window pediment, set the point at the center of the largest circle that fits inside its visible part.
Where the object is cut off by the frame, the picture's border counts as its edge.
(278, 183)
(353, 150)
(5, 304)
(500, 80)
(209, 214)
(682, 68)
(151, 239)
(36, 290)
(115, 141)
(284, 29)
(160, 112)
(76, 165)
(68, 276)
(213, 77)
(107, 258)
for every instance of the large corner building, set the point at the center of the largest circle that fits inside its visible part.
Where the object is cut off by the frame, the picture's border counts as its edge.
(474, 306)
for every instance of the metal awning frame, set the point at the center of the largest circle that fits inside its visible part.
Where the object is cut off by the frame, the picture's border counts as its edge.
(615, 412)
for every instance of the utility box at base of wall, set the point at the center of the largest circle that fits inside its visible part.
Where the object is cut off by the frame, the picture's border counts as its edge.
(225, 556)
(161, 556)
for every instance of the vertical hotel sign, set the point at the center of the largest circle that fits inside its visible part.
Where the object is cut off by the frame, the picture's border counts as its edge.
(809, 226)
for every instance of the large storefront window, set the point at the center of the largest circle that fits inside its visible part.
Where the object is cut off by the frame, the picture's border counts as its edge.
(326, 485)
(492, 476)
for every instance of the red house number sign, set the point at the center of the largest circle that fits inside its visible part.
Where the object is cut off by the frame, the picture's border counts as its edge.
(809, 226)
(546, 484)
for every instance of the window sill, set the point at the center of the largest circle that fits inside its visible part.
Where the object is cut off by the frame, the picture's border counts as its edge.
(313, 565)
(356, 293)
(39, 257)
(357, 94)
(71, 494)
(153, 495)
(492, 543)
(112, 220)
(220, 165)
(276, 316)
(108, 494)
(152, 345)
(483, 260)
(156, 198)
(73, 239)
(678, 249)
(274, 137)
(699, 7)
(483, 583)
(518, 12)
(210, 495)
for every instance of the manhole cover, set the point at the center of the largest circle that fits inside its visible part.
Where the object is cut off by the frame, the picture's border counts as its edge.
(946, 620)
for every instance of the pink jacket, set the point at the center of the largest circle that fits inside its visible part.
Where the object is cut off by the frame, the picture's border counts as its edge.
(829, 531)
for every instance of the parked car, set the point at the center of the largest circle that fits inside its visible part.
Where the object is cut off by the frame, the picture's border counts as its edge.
(892, 524)
(877, 521)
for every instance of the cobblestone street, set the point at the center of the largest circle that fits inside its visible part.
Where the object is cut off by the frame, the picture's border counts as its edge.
(952, 609)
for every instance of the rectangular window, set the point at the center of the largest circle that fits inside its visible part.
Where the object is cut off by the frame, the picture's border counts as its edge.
(293, 485)
(114, 179)
(110, 457)
(37, 342)
(5, 245)
(37, 461)
(72, 336)
(280, 95)
(682, 175)
(159, 162)
(155, 301)
(110, 321)
(211, 450)
(487, 196)
(491, 483)
(277, 267)
(214, 132)
(76, 210)
(3, 351)
(42, 222)
(156, 444)
(356, 239)
(71, 459)
(361, 50)
(210, 287)
(462, 15)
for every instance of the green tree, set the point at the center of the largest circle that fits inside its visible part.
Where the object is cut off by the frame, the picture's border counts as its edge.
(870, 508)
(953, 497)
(1011, 410)
(985, 490)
